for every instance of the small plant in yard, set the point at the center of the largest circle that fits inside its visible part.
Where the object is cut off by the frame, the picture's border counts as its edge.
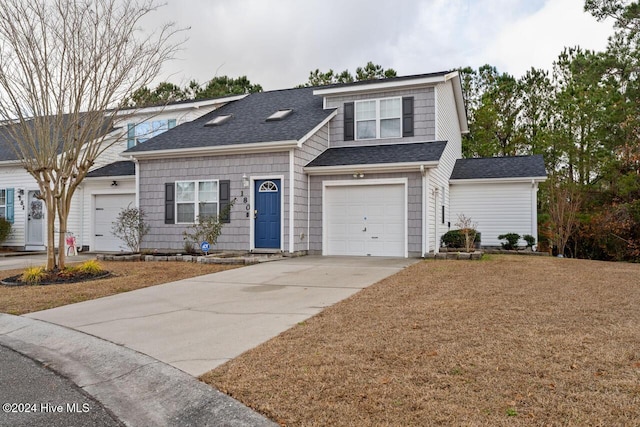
(468, 230)
(91, 267)
(34, 275)
(511, 412)
(511, 241)
(130, 227)
(529, 239)
(206, 229)
(5, 230)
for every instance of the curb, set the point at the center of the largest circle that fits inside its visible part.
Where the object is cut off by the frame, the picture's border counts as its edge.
(137, 389)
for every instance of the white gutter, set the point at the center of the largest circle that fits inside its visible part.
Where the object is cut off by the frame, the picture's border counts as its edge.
(498, 180)
(380, 167)
(257, 147)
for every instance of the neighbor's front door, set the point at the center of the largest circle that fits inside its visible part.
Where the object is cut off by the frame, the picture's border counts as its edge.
(35, 220)
(267, 214)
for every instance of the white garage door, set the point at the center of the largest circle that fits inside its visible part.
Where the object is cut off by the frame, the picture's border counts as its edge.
(108, 206)
(365, 220)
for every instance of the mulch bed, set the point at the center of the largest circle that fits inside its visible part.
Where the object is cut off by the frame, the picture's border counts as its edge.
(56, 279)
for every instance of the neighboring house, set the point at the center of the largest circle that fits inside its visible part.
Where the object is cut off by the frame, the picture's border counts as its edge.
(371, 168)
(106, 190)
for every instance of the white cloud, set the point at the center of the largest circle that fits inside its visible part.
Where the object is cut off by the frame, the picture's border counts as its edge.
(537, 40)
(276, 43)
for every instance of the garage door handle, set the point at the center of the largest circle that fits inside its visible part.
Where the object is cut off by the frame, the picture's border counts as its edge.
(99, 235)
(374, 237)
(99, 209)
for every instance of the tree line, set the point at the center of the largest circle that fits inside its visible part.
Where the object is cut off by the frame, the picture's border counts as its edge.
(583, 116)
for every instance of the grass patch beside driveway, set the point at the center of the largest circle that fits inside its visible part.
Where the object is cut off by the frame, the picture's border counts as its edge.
(508, 341)
(126, 276)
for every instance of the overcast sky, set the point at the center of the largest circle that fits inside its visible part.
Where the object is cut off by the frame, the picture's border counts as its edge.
(277, 42)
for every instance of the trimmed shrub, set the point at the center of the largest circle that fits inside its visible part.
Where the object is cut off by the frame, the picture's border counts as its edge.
(455, 239)
(511, 241)
(5, 230)
(529, 239)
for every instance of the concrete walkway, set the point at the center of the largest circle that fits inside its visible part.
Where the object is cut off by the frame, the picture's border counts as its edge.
(199, 323)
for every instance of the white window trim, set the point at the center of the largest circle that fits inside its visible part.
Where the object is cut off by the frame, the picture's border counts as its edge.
(377, 119)
(196, 202)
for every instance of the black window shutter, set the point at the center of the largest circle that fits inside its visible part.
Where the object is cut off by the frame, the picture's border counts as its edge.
(225, 200)
(407, 116)
(169, 203)
(349, 121)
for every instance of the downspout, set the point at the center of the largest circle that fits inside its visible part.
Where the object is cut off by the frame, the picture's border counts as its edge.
(137, 175)
(425, 238)
(291, 200)
(436, 246)
(308, 212)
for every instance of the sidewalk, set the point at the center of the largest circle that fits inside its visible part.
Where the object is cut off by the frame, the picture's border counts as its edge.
(138, 390)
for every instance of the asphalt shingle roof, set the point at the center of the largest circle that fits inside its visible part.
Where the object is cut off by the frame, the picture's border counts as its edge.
(121, 168)
(499, 167)
(248, 122)
(380, 154)
(8, 142)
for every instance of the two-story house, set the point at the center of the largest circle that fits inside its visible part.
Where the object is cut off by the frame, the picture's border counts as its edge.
(108, 188)
(370, 168)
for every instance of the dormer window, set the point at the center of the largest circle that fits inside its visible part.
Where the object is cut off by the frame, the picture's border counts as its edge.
(217, 121)
(280, 114)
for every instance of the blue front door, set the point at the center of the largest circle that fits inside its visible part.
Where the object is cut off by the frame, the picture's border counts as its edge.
(267, 222)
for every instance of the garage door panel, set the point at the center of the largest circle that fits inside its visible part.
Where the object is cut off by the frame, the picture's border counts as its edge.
(107, 209)
(365, 220)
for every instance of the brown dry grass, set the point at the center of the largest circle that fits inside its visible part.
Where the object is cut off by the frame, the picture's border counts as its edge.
(506, 341)
(126, 276)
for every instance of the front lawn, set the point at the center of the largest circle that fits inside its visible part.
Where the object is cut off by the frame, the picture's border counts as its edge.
(126, 276)
(505, 341)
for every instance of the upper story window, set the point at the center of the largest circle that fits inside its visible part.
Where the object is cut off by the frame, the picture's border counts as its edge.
(378, 118)
(141, 132)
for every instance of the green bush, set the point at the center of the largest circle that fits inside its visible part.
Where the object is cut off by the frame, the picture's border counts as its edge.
(511, 240)
(5, 230)
(455, 239)
(529, 239)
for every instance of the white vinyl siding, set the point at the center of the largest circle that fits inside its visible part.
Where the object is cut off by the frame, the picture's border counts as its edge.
(497, 208)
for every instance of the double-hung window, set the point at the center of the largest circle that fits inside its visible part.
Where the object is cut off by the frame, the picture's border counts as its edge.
(196, 199)
(378, 118)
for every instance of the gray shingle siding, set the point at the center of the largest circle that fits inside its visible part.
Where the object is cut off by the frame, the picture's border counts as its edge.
(235, 235)
(309, 150)
(424, 116)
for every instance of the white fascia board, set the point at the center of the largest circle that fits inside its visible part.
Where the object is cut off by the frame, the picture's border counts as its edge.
(380, 86)
(371, 168)
(181, 106)
(459, 99)
(110, 178)
(317, 128)
(256, 147)
(498, 180)
(10, 163)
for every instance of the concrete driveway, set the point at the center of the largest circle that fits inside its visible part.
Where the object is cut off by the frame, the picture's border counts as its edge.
(199, 323)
